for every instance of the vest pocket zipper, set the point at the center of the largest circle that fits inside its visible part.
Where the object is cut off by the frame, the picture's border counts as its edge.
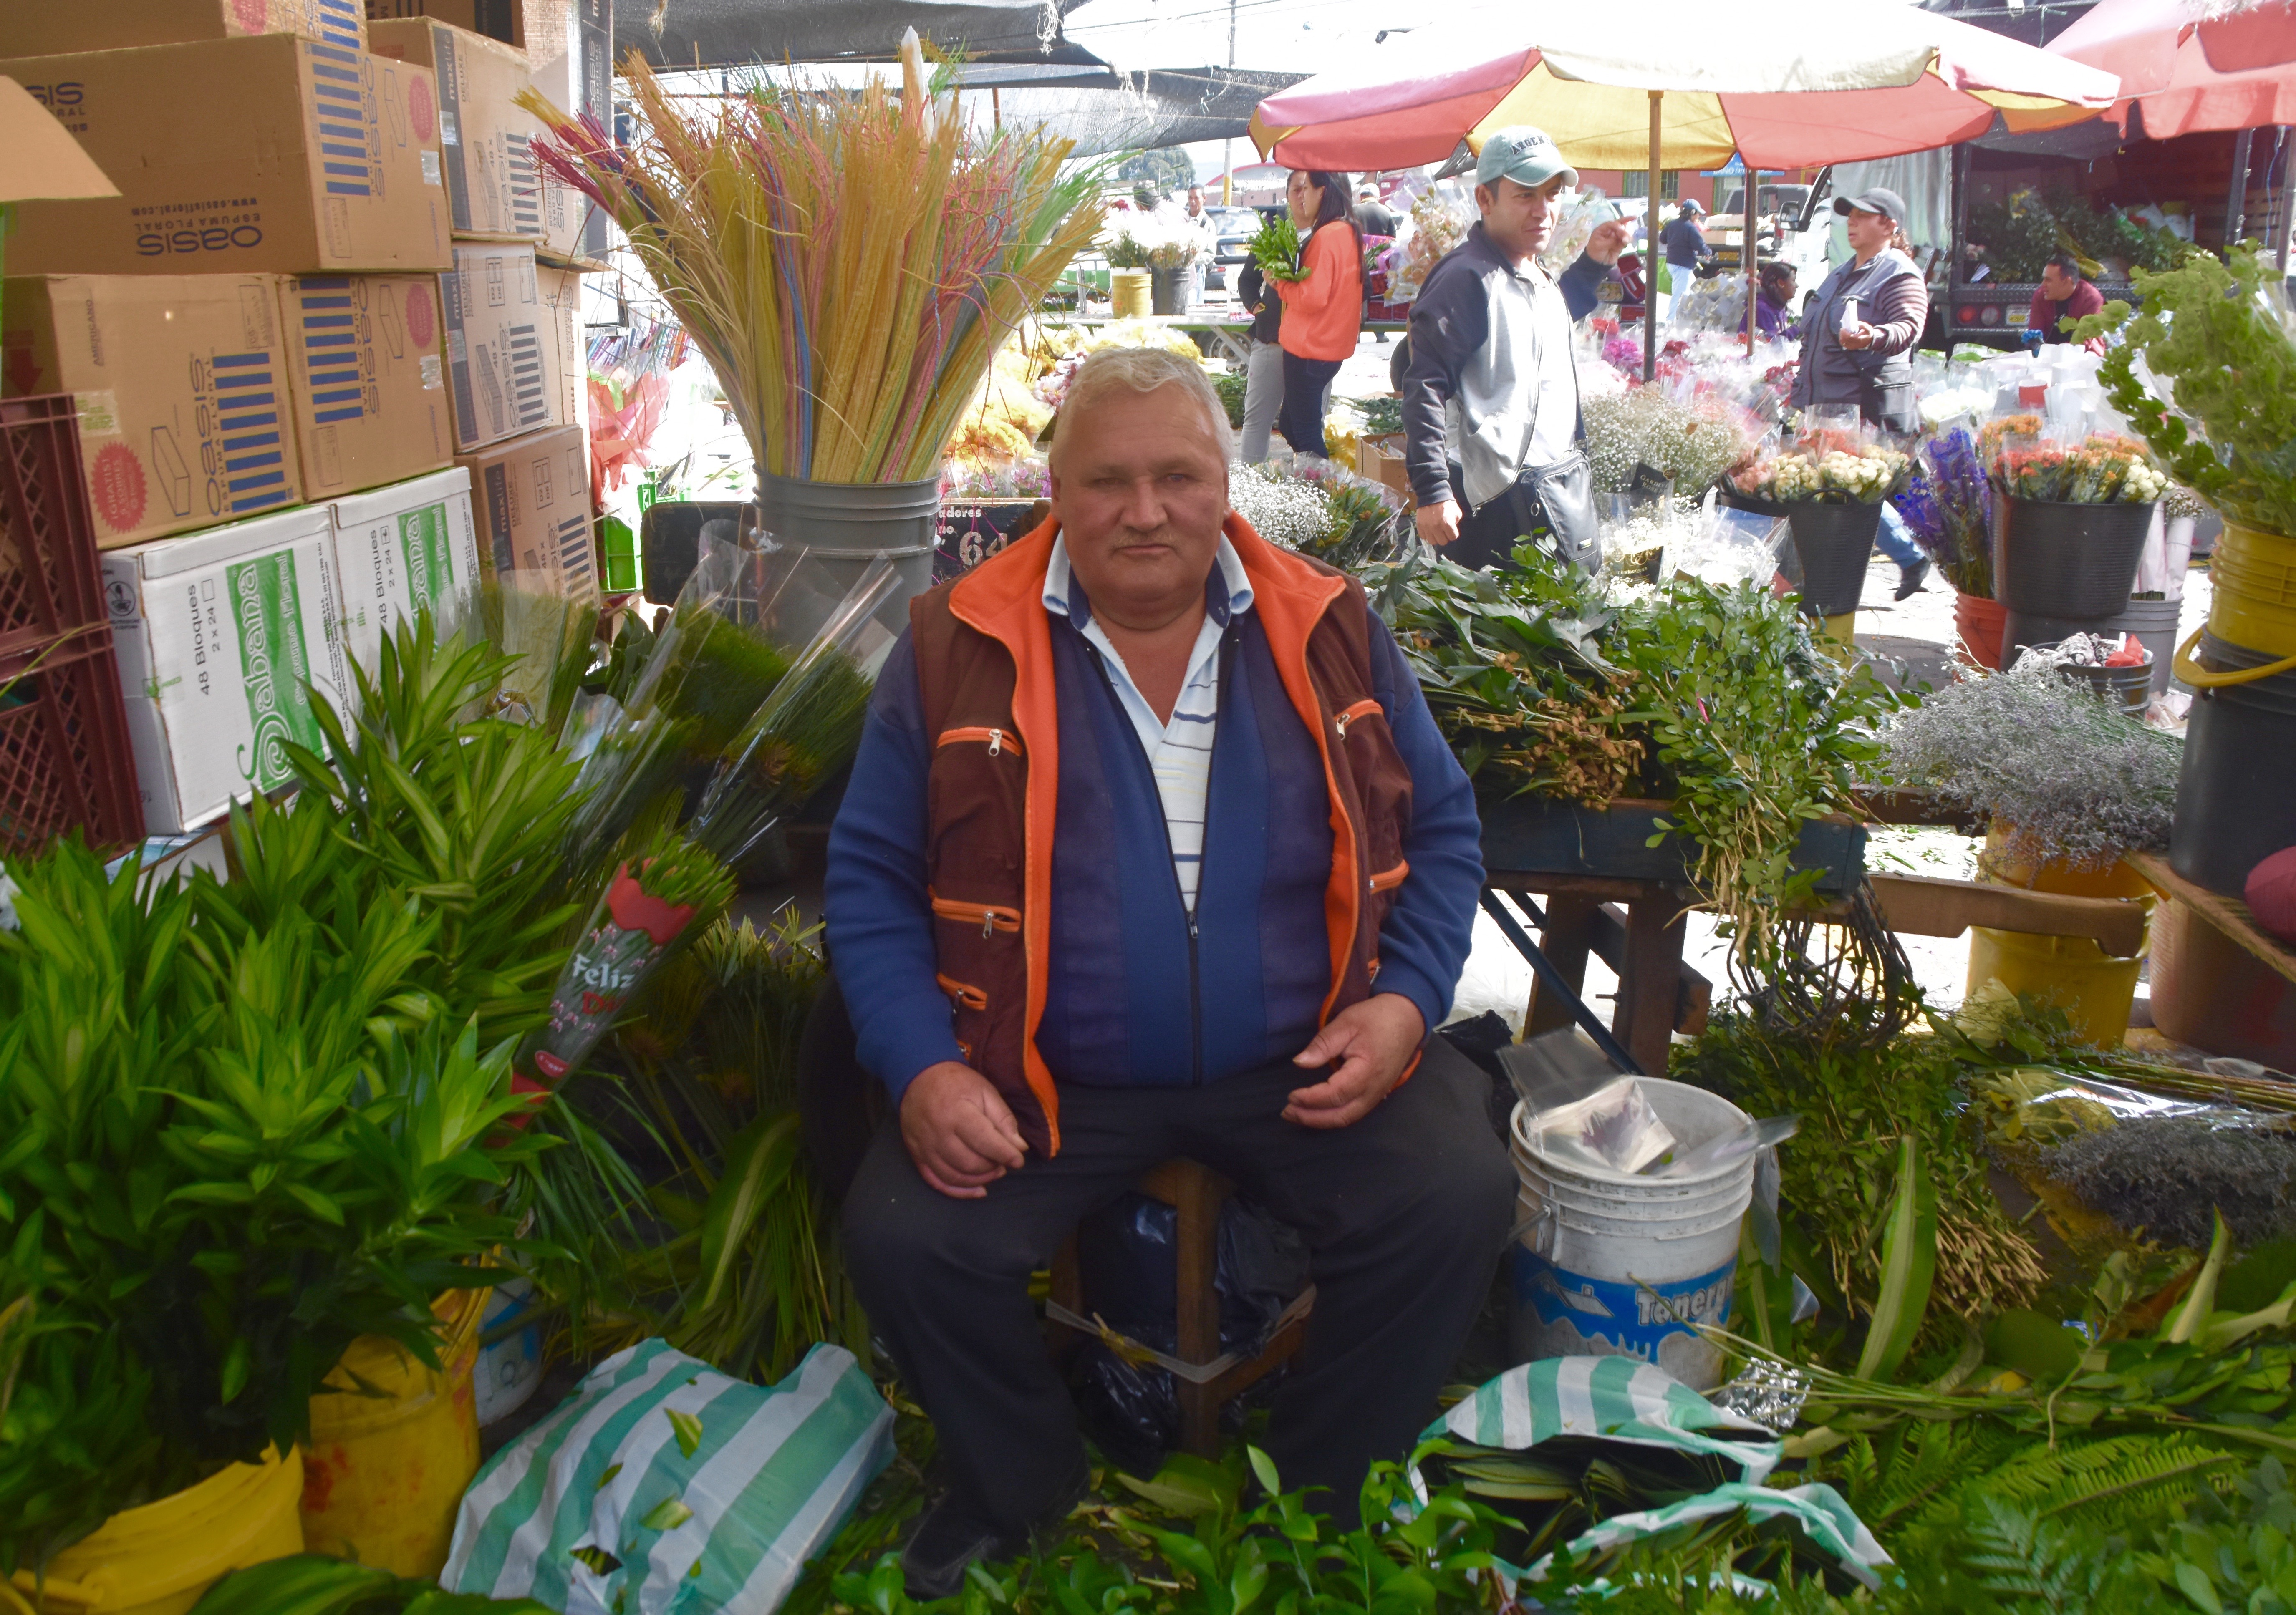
(966, 996)
(999, 740)
(1362, 709)
(1388, 880)
(991, 917)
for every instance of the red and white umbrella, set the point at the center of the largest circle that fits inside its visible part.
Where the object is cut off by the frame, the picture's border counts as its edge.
(2191, 66)
(1789, 85)
(1682, 83)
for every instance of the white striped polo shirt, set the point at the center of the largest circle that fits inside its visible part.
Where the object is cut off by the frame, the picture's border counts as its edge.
(1180, 752)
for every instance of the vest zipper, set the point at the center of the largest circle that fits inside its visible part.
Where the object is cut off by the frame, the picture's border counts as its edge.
(1187, 910)
(1000, 741)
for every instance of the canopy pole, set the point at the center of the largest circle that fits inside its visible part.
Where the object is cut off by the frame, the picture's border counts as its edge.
(1746, 255)
(1652, 256)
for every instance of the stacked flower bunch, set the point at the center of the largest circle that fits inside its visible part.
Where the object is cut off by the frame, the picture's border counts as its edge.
(1692, 444)
(2102, 469)
(1134, 240)
(1949, 508)
(1830, 468)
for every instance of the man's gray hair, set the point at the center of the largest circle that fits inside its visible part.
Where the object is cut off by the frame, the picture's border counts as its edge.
(1140, 370)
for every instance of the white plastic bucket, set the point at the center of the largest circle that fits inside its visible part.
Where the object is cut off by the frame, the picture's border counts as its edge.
(1620, 1264)
(510, 1367)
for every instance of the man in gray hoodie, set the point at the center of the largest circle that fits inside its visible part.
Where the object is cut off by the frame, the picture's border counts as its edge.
(1491, 391)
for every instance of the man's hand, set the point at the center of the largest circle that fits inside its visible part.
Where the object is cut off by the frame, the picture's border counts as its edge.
(1608, 241)
(1372, 1042)
(1438, 523)
(959, 1130)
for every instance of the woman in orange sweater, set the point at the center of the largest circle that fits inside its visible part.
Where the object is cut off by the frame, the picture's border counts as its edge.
(1323, 314)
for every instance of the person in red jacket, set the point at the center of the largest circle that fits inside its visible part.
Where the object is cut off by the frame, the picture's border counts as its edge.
(2064, 297)
(1323, 314)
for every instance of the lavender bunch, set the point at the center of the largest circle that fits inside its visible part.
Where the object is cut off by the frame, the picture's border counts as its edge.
(2067, 777)
(1949, 508)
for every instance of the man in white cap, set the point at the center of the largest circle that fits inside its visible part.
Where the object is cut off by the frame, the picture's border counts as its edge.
(1490, 401)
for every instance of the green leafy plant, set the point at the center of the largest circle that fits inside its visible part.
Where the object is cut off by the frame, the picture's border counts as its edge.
(2220, 408)
(1860, 1111)
(1275, 248)
(312, 1584)
(230, 1154)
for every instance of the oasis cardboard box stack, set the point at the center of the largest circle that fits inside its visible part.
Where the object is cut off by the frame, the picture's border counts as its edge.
(264, 338)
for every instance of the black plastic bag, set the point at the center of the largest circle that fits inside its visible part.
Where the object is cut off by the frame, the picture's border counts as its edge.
(1128, 1261)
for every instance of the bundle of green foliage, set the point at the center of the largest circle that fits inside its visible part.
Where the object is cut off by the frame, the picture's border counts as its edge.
(1836, 1174)
(2220, 407)
(1230, 385)
(251, 1121)
(312, 1584)
(1713, 697)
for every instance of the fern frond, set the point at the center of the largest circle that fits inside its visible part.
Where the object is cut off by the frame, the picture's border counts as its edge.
(2013, 1555)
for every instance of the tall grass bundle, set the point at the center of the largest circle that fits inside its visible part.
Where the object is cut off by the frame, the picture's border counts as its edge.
(849, 263)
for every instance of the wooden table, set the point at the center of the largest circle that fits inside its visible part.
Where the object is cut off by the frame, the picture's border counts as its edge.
(2229, 916)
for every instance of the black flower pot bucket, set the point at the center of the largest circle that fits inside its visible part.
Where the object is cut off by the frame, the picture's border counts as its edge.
(1835, 542)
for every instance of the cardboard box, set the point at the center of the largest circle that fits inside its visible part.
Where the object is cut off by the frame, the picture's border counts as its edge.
(402, 548)
(501, 352)
(561, 291)
(493, 186)
(51, 28)
(182, 383)
(502, 20)
(236, 155)
(531, 497)
(367, 369)
(220, 635)
(1380, 460)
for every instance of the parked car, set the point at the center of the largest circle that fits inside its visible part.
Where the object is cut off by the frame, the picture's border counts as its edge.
(1236, 227)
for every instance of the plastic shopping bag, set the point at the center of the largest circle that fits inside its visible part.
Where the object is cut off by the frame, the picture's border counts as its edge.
(663, 1487)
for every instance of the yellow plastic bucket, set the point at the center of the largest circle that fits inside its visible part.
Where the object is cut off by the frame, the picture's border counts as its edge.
(384, 1474)
(2118, 882)
(1842, 628)
(1129, 293)
(2095, 989)
(2253, 578)
(157, 1559)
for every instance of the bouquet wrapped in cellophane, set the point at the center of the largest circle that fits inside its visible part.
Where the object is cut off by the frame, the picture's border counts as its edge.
(1828, 465)
(2099, 469)
(1948, 509)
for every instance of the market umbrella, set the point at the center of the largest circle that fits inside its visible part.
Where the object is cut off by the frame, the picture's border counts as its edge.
(1684, 84)
(2187, 73)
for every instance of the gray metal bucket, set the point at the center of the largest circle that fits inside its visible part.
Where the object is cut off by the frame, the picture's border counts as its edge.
(843, 527)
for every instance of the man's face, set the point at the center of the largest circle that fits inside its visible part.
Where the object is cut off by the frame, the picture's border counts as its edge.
(1519, 219)
(2056, 285)
(1195, 201)
(1869, 233)
(1140, 489)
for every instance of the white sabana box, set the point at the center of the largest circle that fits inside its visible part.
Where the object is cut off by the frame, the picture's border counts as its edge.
(222, 637)
(401, 548)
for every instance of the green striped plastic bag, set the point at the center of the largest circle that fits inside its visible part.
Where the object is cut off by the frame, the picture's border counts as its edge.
(1618, 1399)
(663, 1487)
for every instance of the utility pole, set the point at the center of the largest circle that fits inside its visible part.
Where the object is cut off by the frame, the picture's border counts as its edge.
(1228, 147)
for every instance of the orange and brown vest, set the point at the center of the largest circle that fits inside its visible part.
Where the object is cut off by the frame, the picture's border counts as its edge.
(985, 670)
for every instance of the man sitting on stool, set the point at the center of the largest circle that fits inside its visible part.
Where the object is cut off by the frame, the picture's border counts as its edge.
(1153, 849)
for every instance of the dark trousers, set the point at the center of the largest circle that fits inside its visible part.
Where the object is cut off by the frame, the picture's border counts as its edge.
(1307, 390)
(1404, 1213)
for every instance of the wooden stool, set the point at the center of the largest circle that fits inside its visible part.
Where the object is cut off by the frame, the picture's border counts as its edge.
(1196, 1193)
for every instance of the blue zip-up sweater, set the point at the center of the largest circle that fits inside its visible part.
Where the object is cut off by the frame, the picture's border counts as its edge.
(1132, 998)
